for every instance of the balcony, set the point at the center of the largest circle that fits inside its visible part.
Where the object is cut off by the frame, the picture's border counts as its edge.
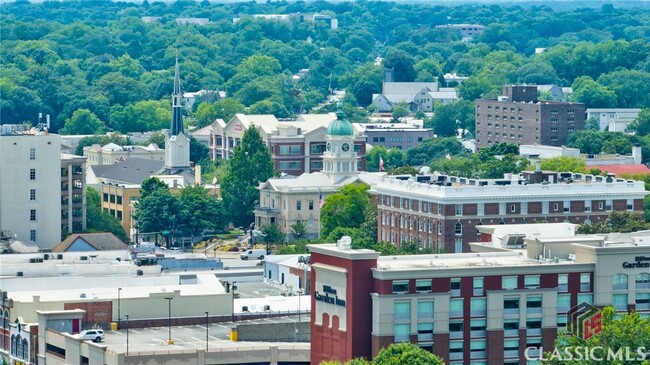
(266, 211)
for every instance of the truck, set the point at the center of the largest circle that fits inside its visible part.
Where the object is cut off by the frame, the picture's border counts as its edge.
(255, 253)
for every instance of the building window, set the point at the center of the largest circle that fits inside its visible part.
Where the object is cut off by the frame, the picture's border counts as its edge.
(455, 350)
(425, 309)
(563, 283)
(513, 208)
(531, 281)
(533, 304)
(586, 298)
(290, 150)
(311, 205)
(478, 286)
(425, 331)
(298, 204)
(585, 282)
(509, 282)
(32, 235)
(630, 205)
(454, 287)
(459, 209)
(480, 208)
(290, 165)
(402, 332)
(439, 209)
(477, 349)
(32, 174)
(511, 305)
(439, 227)
(642, 281)
(477, 327)
(32, 153)
(402, 311)
(642, 301)
(456, 307)
(318, 149)
(619, 301)
(600, 205)
(119, 199)
(608, 205)
(556, 207)
(563, 303)
(458, 228)
(32, 194)
(511, 327)
(619, 282)
(32, 215)
(112, 198)
(456, 329)
(458, 245)
(478, 307)
(400, 286)
(566, 206)
(423, 285)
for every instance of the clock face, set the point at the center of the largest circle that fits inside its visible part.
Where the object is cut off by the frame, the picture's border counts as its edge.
(329, 147)
(345, 147)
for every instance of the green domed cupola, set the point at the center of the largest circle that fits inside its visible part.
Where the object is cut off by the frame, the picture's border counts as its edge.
(340, 126)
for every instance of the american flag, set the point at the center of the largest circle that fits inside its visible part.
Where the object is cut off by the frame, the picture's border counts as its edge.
(381, 164)
(448, 156)
(321, 200)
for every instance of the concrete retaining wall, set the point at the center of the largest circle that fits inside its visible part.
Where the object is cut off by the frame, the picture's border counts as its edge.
(274, 332)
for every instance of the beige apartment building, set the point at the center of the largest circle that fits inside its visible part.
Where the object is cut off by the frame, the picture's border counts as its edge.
(296, 146)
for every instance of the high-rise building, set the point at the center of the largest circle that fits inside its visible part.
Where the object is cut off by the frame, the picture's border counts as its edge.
(30, 185)
(519, 117)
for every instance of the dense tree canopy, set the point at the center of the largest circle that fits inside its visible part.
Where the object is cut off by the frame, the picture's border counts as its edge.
(60, 57)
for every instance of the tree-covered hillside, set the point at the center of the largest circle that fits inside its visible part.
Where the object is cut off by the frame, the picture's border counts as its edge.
(101, 58)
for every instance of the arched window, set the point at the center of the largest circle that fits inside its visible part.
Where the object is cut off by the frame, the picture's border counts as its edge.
(642, 281)
(502, 222)
(619, 282)
(588, 221)
(458, 228)
(13, 345)
(420, 224)
(401, 221)
(383, 217)
(523, 221)
(25, 347)
(439, 227)
(5, 319)
(410, 222)
(430, 226)
(392, 220)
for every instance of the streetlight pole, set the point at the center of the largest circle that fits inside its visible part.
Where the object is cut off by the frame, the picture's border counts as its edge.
(207, 330)
(169, 320)
(127, 333)
(232, 289)
(119, 290)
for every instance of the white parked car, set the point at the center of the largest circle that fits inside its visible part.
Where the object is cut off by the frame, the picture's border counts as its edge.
(95, 335)
(253, 254)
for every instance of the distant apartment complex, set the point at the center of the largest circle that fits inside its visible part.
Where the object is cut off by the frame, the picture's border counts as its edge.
(394, 135)
(443, 212)
(518, 117)
(31, 185)
(296, 146)
(467, 31)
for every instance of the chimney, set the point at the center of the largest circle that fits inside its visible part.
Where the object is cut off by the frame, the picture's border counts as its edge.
(197, 174)
(636, 154)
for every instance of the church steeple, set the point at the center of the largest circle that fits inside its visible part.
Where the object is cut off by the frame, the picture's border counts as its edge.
(177, 142)
(177, 98)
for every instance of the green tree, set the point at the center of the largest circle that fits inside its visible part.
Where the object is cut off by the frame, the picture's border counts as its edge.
(159, 211)
(406, 353)
(478, 87)
(403, 170)
(225, 109)
(250, 165)
(619, 331)
(299, 230)
(393, 158)
(201, 210)
(146, 115)
(641, 125)
(433, 148)
(151, 185)
(259, 65)
(588, 141)
(345, 208)
(98, 221)
(198, 150)
(273, 234)
(399, 111)
(456, 166)
(592, 94)
(402, 63)
(619, 222)
(564, 164)
(447, 119)
(83, 121)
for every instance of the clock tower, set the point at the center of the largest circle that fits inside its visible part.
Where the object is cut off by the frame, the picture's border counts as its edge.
(339, 159)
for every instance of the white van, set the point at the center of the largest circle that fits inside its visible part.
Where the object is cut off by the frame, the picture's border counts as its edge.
(256, 253)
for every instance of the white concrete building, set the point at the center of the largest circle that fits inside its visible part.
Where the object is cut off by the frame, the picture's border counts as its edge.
(613, 119)
(30, 185)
